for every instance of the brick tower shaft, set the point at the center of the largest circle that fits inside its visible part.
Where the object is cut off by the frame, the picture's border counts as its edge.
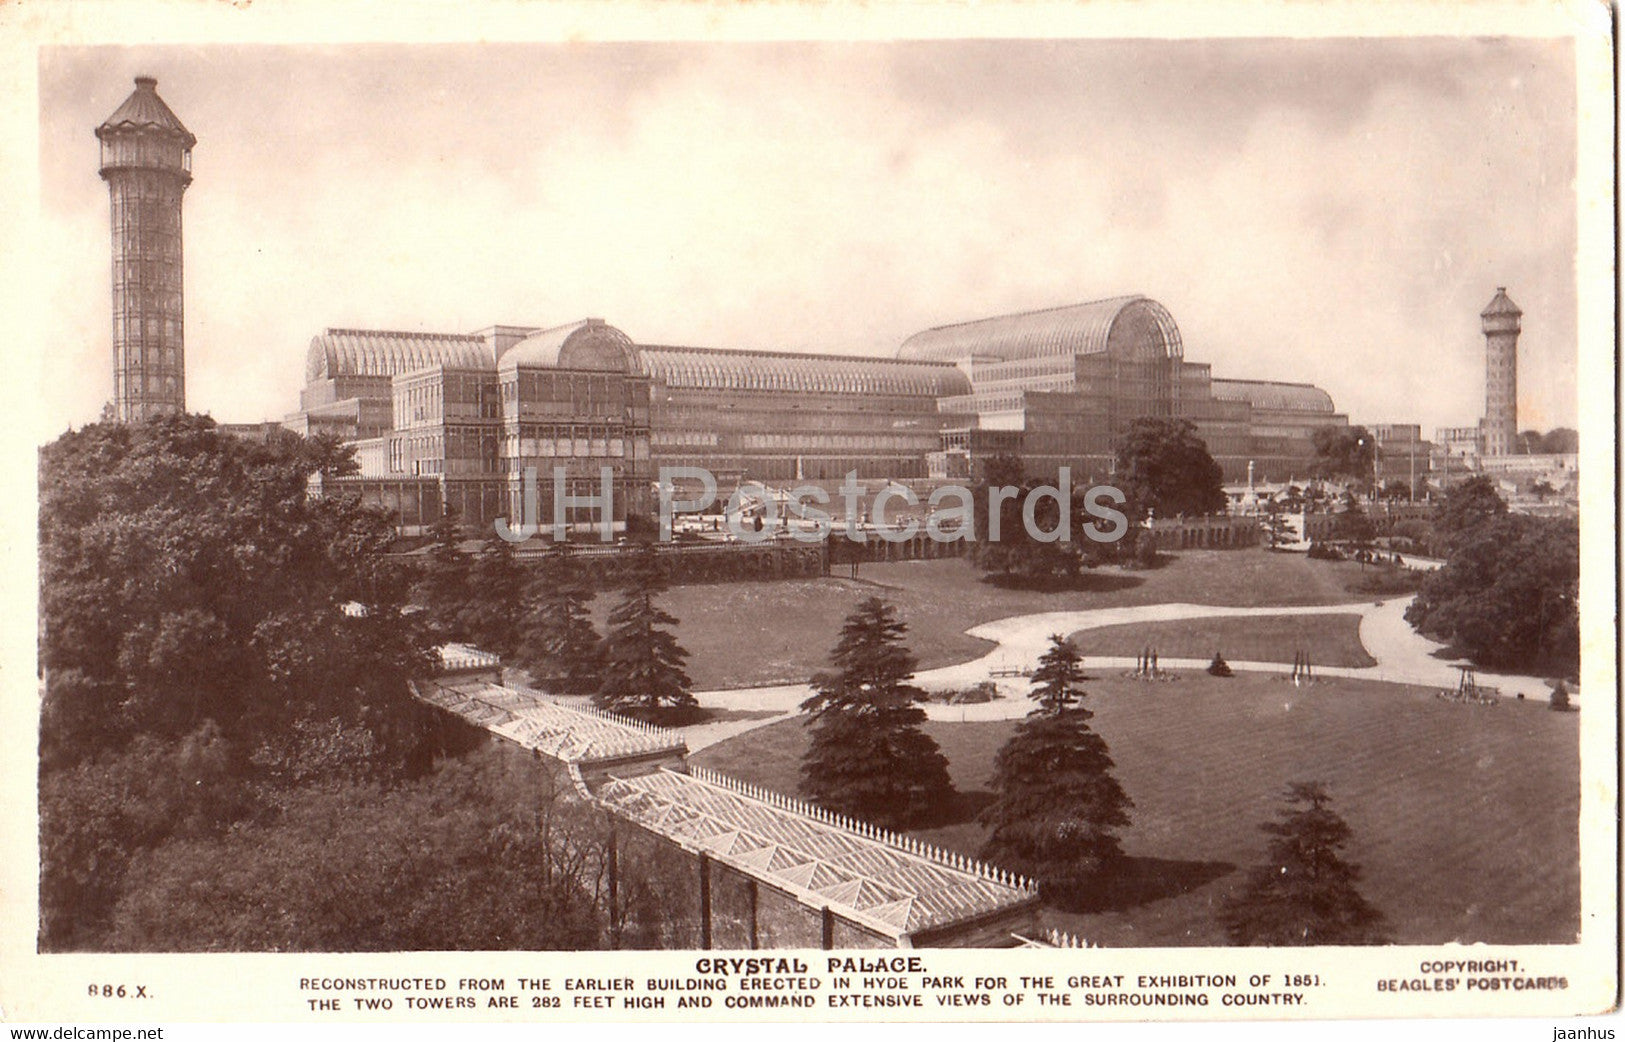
(1501, 322)
(146, 160)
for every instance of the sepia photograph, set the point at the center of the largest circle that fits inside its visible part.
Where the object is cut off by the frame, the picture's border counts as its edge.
(685, 513)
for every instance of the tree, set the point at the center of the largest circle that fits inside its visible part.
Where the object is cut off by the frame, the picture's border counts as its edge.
(1163, 465)
(560, 646)
(643, 673)
(1304, 893)
(443, 587)
(209, 633)
(1016, 553)
(1344, 452)
(1352, 524)
(496, 598)
(1467, 505)
(1557, 441)
(329, 455)
(1002, 554)
(868, 756)
(1057, 804)
(1508, 593)
(98, 815)
(187, 577)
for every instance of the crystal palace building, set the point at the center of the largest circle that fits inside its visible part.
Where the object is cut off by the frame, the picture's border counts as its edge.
(455, 420)
(451, 420)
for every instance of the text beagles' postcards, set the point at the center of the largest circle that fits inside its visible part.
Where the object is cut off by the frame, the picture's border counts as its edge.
(739, 514)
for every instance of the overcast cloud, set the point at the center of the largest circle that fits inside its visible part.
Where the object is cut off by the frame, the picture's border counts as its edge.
(1328, 211)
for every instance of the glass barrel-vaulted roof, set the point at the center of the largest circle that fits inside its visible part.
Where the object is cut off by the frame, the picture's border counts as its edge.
(592, 344)
(710, 368)
(1078, 329)
(588, 344)
(380, 352)
(1274, 395)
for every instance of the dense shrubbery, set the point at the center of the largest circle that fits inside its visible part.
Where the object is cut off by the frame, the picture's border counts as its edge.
(230, 756)
(1508, 592)
(455, 860)
(186, 578)
(1017, 558)
(1416, 532)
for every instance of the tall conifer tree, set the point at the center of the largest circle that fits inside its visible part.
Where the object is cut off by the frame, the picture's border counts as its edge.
(443, 584)
(1303, 893)
(1058, 805)
(496, 601)
(643, 671)
(558, 644)
(868, 756)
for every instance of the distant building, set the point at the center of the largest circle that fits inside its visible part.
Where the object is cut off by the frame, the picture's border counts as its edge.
(1537, 483)
(1281, 421)
(1495, 447)
(1402, 455)
(1457, 450)
(146, 160)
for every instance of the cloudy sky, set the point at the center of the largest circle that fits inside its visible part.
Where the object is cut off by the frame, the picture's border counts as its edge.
(1330, 211)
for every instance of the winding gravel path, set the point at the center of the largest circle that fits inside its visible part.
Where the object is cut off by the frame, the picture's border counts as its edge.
(1403, 657)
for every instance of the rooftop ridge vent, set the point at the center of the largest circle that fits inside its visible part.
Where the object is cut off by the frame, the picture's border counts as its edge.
(403, 334)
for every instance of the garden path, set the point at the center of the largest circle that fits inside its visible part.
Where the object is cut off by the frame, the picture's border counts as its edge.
(1403, 657)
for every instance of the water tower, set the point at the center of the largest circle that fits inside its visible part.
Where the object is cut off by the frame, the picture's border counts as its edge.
(1499, 427)
(146, 160)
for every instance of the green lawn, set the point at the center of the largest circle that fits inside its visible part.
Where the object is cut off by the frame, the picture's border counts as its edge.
(757, 633)
(1330, 640)
(1465, 819)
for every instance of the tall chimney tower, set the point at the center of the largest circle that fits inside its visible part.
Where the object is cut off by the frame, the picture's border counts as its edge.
(146, 160)
(1499, 427)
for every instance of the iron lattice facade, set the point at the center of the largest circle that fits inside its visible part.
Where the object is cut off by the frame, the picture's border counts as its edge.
(459, 420)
